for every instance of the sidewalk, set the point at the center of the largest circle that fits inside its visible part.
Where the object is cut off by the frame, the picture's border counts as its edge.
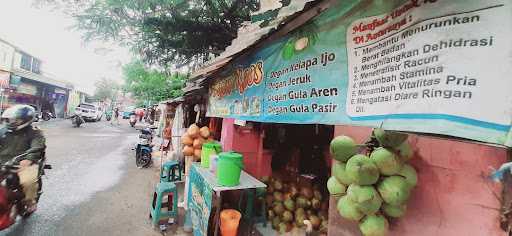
(175, 229)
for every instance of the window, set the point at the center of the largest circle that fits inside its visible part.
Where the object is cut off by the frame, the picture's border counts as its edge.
(36, 66)
(87, 106)
(26, 61)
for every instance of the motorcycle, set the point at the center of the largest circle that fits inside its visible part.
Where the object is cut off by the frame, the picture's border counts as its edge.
(45, 115)
(11, 191)
(108, 115)
(144, 148)
(77, 119)
(133, 120)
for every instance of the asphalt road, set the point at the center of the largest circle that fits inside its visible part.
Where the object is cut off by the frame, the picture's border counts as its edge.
(94, 187)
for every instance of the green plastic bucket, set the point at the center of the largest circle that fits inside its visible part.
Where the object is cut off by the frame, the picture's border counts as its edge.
(208, 149)
(229, 167)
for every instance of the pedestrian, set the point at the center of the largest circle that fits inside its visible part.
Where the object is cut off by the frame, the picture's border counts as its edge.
(167, 137)
(116, 116)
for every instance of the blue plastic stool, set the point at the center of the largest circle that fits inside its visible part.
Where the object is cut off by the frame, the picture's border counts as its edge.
(170, 172)
(164, 191)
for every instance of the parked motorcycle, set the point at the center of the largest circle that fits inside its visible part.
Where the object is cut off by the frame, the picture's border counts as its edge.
(45, 115)
(77, 119)
(11, 191)
(144, 148)
(133, 120)
(108, 115)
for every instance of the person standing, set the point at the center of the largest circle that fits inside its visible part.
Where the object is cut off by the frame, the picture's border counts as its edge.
(167, 137)
(116, 116)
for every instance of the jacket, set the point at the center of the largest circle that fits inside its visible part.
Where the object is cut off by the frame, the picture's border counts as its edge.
(20, 141)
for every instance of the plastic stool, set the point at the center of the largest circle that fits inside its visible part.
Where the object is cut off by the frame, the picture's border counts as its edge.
(169, 192)
(170, 172)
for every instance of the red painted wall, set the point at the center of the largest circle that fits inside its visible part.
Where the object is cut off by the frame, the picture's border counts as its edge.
(250, 144)
(453, 195)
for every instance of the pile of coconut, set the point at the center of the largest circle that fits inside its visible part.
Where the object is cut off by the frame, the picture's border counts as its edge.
(372, 187)
(193, 141)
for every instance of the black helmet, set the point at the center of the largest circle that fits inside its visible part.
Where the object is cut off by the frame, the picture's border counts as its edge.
(18, 117)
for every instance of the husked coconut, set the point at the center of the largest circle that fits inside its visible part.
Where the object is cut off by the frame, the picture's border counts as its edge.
(193, 131)
(188, 151)
(204, 132)
(301, 43)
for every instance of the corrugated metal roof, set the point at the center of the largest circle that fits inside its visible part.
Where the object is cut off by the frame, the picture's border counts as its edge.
(252, 32)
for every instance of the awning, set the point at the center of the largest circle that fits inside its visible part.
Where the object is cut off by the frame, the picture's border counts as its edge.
(41, 78)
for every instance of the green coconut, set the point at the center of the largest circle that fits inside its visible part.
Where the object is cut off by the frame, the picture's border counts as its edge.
(335, 188)
(339, 171)
(302, 202)
(275, 222)
(289, 204)
(362, 170)
(388, 138)
(405, 151)
(288, 50)
(343, 147)
(394, 190)
(278, 196)
(394, 211)
(299, 219)
(287, 216)
(387, 162)
(410, 175)
(278, 208)
(348, 209)
(374, 225)
(366, 197)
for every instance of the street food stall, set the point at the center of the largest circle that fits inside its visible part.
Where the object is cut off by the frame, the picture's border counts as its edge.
(430, 69)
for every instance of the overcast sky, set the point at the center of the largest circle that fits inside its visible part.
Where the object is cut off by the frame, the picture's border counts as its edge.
(45, 34)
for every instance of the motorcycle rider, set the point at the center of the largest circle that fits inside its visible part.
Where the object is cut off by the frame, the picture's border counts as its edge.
(19, 136)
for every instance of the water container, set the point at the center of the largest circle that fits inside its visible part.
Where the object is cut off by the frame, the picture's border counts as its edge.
(229, 167)
(208, 149)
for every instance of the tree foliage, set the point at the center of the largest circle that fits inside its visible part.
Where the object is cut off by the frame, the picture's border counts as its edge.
(149, 85)
(162, 31)
(105, 89)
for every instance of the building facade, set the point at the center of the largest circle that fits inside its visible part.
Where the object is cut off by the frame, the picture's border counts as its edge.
(24, 82)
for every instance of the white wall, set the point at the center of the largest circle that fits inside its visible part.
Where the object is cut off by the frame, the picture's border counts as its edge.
(6, 56)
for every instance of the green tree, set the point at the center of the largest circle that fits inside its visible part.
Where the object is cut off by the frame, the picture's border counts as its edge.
(167, 32)
(105, 89)
(149, 85)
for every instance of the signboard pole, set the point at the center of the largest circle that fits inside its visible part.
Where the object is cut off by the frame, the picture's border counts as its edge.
(1, 100)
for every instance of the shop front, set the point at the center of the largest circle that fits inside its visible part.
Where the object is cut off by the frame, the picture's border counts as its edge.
(396, 65)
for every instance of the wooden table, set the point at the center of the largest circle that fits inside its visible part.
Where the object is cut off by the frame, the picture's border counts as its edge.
(246, 182)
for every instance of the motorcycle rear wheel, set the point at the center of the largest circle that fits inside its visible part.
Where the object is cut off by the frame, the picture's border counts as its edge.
(144, 160)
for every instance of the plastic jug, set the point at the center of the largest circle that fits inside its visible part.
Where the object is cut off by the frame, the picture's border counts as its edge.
(208, 149)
